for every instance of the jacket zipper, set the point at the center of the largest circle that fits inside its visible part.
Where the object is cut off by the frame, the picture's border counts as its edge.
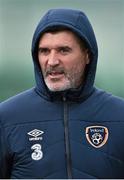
(67, 143)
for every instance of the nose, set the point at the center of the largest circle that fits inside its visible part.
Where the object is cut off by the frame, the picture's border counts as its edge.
(53, 59)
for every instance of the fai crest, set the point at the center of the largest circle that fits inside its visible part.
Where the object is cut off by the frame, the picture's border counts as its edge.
(97, 135)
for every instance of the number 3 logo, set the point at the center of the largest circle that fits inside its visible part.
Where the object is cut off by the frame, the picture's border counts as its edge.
(37, 154)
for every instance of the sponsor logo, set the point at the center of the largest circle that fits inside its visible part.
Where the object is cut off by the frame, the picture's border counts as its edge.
(35, 135)
(37, 152)
(97, 136)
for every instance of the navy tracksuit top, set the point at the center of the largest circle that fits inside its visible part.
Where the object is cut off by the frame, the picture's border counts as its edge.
(59, 135)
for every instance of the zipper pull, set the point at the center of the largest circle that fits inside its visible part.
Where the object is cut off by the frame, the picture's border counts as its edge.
(64, 98)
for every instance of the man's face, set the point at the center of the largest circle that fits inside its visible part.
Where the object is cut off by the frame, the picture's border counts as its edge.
(62, 60)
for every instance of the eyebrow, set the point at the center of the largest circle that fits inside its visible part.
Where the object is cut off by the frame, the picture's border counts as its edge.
(58, 48)
(64, 47)
(42, 48)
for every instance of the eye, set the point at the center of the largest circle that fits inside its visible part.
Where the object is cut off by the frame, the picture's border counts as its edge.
(64, 50)
(43, 51)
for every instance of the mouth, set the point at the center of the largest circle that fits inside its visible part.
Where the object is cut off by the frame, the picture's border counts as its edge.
(56, 74)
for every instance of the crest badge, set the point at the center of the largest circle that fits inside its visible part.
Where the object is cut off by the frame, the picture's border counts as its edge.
(97, 136)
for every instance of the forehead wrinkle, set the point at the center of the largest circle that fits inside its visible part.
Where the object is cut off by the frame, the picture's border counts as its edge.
(61, 39)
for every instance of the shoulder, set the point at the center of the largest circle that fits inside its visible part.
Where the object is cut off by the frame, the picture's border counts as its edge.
(18, 99)
(12, 109)
(109, 105)
(108, 98)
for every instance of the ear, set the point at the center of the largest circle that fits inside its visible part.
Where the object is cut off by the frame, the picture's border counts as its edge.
(87, 57)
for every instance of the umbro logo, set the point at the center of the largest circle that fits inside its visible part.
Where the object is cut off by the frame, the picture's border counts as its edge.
(35, 133)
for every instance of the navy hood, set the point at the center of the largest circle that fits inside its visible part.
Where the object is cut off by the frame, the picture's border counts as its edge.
(76, 21)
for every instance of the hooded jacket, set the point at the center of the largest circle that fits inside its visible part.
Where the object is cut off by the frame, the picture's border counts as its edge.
(59, 135)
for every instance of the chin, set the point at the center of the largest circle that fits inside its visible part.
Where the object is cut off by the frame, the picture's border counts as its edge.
(58, 86)
(55, 88)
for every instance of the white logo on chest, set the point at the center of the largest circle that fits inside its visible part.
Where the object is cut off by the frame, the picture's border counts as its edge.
(35, 135)
(37, 152)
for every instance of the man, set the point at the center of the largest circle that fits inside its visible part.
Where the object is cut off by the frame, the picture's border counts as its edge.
(64, 127)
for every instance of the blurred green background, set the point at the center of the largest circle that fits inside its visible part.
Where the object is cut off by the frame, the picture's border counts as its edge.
(18, 20)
